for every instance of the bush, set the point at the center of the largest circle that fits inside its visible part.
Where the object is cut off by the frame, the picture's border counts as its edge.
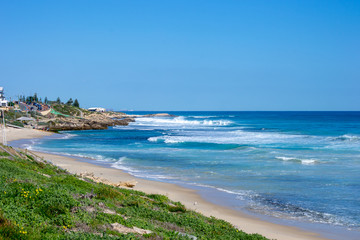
(106, 192)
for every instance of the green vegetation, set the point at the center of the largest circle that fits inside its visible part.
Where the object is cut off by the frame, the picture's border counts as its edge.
(11, 115)
(76, 103)
(66, 109)
(70, 102)
(17, 123)
(41, 201)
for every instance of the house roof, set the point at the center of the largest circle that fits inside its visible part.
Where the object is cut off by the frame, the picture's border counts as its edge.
(25, 119)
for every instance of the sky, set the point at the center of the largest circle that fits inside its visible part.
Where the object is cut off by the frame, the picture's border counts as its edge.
(184, 55)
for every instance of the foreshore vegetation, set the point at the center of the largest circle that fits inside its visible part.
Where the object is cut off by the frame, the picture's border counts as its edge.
(41, 201)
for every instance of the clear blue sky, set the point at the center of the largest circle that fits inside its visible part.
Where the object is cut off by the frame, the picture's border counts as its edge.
(184, 55)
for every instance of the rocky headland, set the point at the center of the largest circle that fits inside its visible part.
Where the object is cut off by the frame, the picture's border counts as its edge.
(90, 121)
(63, 117)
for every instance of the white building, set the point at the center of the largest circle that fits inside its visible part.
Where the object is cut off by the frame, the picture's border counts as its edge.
(3, 101)
(97, 109)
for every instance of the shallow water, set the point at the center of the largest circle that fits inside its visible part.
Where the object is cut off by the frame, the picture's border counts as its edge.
(301, 166)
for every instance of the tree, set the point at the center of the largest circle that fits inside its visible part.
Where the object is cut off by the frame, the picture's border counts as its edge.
(58, 100)
(29, 99)
(76, 103)
(36, 97)
(70, 102)
(22, 98)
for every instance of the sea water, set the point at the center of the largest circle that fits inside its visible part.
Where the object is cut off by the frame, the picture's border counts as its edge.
(299, 166)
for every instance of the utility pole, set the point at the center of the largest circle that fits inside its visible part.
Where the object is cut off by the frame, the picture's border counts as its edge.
(3, 128)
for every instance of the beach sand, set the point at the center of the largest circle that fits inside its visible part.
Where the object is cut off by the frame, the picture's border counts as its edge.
(186, 196)
(23, 133)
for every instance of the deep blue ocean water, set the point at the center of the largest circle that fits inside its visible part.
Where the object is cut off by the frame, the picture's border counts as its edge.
(302, 166)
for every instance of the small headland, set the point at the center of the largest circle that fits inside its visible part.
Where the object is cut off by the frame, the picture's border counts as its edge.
(56, 117)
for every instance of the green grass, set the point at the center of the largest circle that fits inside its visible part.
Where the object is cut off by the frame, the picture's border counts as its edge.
(41, 201)
(66, 109)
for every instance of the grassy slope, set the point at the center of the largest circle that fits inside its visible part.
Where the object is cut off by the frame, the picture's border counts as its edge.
(66, 109)
(41, 201)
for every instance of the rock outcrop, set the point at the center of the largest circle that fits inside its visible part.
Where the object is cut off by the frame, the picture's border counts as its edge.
(65, 124)
(56, 121)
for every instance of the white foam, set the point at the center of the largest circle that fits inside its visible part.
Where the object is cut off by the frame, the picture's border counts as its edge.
(178, 122)
(202, 116)
(240, 194)
(97, 157)
(285, 158)
(302, 161)
(308, 161)
(173, 141)
(228, 137)
(119, 165)
(31, 143)
(67, 136)
(346, 137)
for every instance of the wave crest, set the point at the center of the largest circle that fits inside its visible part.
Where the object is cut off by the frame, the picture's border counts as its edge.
(298, 160)
(346, 137)
(179, 122)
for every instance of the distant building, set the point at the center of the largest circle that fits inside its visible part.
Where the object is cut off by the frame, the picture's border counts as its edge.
(97, 109)
(3, 101)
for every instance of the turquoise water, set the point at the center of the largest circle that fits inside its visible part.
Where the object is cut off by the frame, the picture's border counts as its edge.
(302, 166)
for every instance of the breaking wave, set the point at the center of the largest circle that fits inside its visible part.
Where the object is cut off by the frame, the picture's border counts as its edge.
(178, 122)
(346, 137)
(298, 160)
(229, 137)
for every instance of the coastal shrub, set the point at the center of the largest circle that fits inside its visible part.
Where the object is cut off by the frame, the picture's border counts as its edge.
(7, 229)
(178, 207)
(106, 192)
(159, 198)
(17, 123)
(4, 154)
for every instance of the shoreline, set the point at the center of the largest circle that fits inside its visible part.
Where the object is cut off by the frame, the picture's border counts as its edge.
(189, 197)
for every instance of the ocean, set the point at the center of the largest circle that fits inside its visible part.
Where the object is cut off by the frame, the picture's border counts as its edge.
(301, 168)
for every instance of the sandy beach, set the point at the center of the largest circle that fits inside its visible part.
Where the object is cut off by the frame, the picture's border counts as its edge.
(188, 197)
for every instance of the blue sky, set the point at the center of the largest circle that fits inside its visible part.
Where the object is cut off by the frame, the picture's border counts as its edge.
(184, 55)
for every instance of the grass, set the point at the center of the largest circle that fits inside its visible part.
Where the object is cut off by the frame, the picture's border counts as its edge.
(41, 201)
(66, 109)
